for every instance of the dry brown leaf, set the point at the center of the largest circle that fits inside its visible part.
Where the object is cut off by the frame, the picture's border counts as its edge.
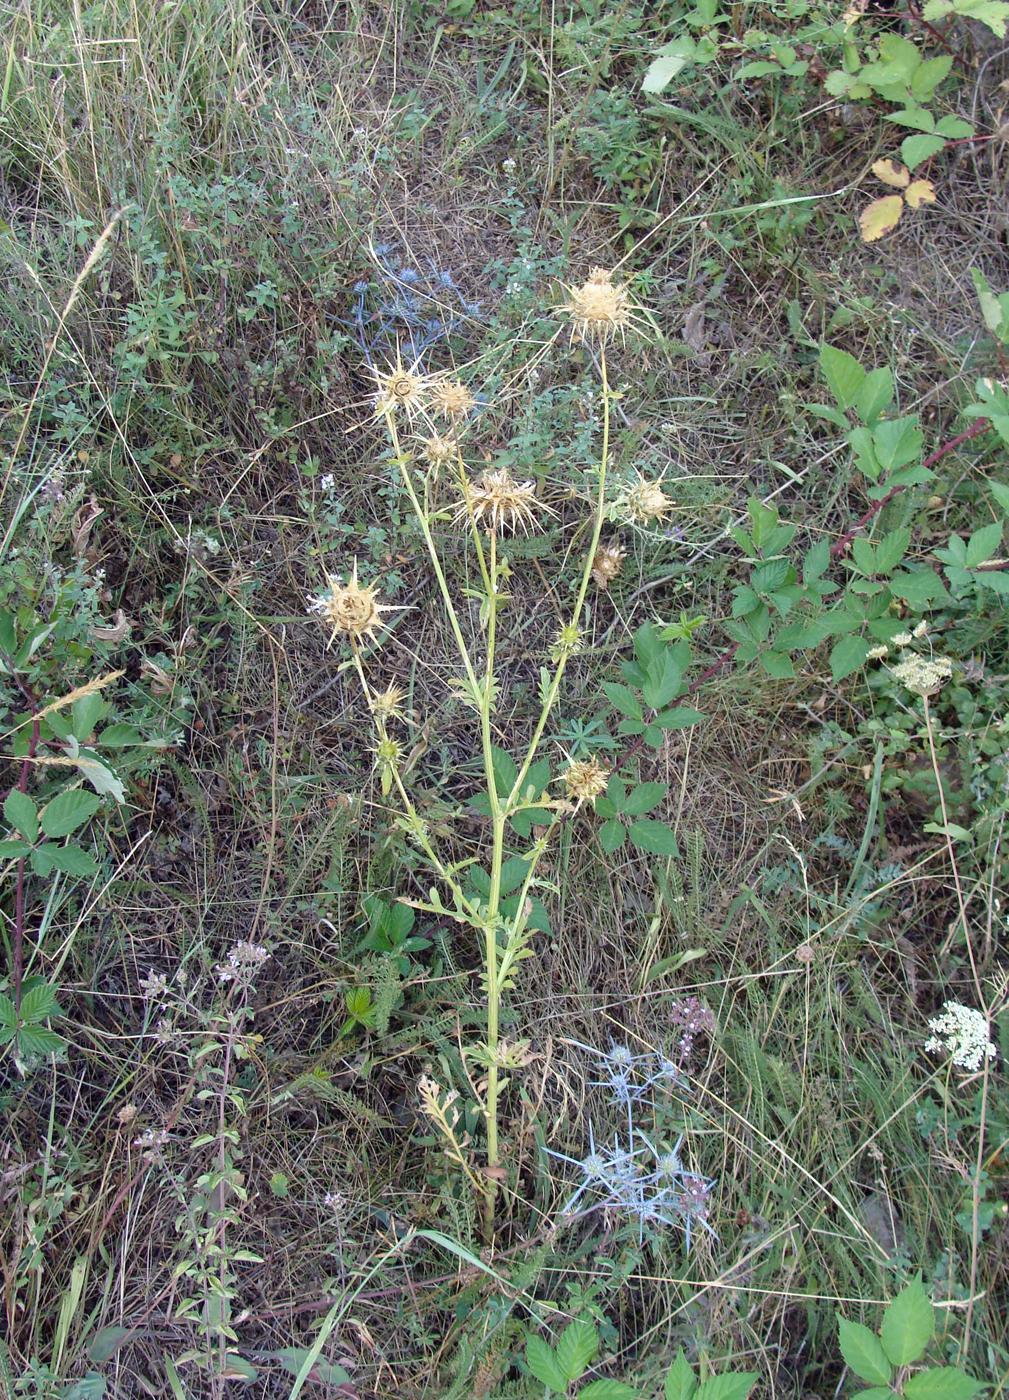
(920, 192)
(880, 217)
(892, 174)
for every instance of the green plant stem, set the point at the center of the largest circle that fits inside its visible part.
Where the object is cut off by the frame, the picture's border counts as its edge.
(494, 897)
(597, 530)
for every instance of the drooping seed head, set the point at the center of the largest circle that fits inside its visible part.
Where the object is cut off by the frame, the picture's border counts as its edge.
(607, 563)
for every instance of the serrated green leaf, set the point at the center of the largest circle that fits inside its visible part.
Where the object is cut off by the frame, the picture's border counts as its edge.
(983, 545)
(8, 1016)
(916, 149)
(735, 1387)
(643, 798)
(120, 736)
(37, 1040)
(605, 1389)
(39, 1003)
(576, 1348)
(863, 1352)
(942, 1383)
(654, 837)
(322, 1373)
(68, 811)
(908, 1324)
(89, 1387)
(21, 812)
(71, 860)
(680, 1379)
(544, 1365)
(874, 396)
(612, 836)
(847, 655)
(843, 373)
(14, 849)
(623, 699)
(679, 717)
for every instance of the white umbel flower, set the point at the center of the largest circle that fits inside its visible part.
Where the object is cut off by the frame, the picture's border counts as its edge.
(962, 1032)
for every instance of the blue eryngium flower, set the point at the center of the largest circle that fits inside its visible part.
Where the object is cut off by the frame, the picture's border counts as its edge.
(659, 1192)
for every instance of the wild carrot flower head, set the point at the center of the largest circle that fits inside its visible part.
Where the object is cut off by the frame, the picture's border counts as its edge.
(452, 399)
(646, 501)
(599, 310)
(585, 779)
(498, 502)
(399, 388)
(961, 1032)
(350, 608)
(923, 675)
(607, 563)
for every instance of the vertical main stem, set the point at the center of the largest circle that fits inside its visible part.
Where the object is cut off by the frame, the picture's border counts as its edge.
(494, 896)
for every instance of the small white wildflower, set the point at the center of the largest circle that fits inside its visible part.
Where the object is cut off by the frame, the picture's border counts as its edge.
(508, 165)
(327, 481)
(244, 960)
(902, 639)
(923, 675)
(921, 630)
(154, 986)
(877, 653)
(962, 1032)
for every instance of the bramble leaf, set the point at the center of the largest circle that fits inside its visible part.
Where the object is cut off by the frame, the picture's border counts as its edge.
(880, 217)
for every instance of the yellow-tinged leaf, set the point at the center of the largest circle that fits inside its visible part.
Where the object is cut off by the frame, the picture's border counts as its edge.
(880, 217)
(892, 174)
(920, 192)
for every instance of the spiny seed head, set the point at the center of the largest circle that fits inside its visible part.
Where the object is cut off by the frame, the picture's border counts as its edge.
(399, 388)
(452, 399)
(568, 641)
(437, 450)
(646, 501)
(388, 703)
(350, 608)
(387, 752)
(607, 563)
(498, 502)
(599, 309)
(585, 780)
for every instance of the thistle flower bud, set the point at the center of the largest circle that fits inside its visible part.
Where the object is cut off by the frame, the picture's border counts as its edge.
(585, 780)
(646, 501)
(399, 388)
(599, 309)
(452, 399)
(388, 704)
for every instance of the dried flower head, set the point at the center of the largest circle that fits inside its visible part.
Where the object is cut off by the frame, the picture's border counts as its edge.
(388, 704)
(599, 309)
(962, 1032)
(923, 675)
(437, 450)
(397, 387)
(350, 608)
(452, 399)
(498, 502)
(607, 563)
(585, 779)
(646, 501)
